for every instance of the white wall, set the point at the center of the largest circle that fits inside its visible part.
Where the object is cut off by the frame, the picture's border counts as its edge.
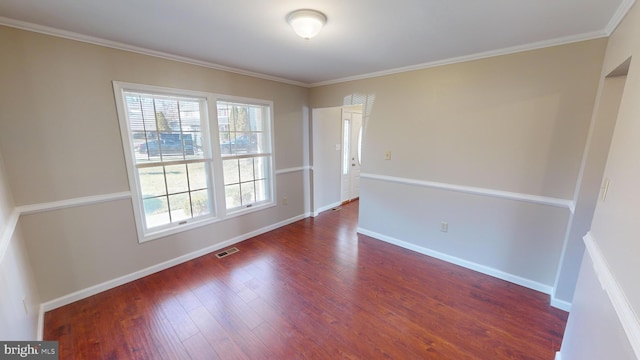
(16, 279)
(326, 144)
(589, 182)
(594, 330)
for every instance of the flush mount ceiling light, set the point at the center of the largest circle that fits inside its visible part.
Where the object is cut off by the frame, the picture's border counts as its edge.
(306, 23)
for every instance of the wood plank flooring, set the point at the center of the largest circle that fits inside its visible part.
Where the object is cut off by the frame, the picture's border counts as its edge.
(311, 290)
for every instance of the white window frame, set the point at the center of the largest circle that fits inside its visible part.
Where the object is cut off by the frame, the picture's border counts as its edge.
(212, 155)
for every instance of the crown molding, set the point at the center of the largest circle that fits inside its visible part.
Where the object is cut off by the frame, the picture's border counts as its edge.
(614, 22)
(471, 57)
(618, 16)
(23, 25)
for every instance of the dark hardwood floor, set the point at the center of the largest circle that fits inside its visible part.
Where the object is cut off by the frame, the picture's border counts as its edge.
(311, 290)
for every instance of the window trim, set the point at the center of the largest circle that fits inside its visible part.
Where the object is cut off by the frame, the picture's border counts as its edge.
(213, 156)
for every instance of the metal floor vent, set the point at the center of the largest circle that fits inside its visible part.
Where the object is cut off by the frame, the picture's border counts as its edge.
(227, 252)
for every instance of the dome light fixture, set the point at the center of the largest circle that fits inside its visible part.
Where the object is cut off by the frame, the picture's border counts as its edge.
(306, 23)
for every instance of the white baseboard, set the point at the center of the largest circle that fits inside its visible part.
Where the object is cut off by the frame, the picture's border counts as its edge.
(461, 262)
(560, 304)
(95, 289)
(558, 356)
(40, 329)
(327, 207)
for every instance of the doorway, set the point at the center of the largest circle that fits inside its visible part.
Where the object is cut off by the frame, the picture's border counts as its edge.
(336, 137)
(351, 153)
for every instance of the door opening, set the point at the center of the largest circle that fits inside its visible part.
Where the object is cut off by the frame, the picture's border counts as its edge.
(351, 153)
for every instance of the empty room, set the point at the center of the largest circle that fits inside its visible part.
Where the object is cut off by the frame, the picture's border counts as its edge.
(319, 179)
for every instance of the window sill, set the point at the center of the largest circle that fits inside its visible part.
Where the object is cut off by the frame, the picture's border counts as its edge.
(194, 224)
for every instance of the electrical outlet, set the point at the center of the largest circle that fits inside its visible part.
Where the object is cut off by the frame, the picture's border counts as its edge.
(444, 227)
(285, 201)
(387, 155)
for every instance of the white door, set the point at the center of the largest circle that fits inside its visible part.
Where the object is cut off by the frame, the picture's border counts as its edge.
(351, 143)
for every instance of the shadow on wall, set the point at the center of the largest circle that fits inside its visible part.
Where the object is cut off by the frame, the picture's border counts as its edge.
(366, 100)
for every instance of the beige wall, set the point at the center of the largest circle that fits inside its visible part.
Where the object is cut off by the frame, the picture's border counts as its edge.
(17, 283)
(60, 138)
(615, 226)
(516, 123)
(61, 123)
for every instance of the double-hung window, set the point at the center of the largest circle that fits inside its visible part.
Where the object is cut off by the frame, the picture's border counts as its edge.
(193, 158)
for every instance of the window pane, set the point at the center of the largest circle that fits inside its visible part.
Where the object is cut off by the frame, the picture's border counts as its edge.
(166, 112)
(147, 150)
(180, 207)
(360, 146)
(231, 171)
(245, 132)
(167, 129)
(164, 128)
(260, 167)
(248, 193)
(152, 182)
(156, 211)
(200, 203)
(169, 146)
(193, 146)
(176, 178)
(260, 143)
(232, 196)
(346, 143)
(148, 113)
(261, 190)
(190, 115)
(225, 148)
(246, 169)
(256, 118)
(238, 143)
(197, 176)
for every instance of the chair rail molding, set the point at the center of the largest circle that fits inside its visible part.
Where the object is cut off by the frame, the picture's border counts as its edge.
(536, 199)
(627, 316)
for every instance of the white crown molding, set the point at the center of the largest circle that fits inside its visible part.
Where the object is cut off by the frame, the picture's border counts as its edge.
(139, 50)
(618, 16)
(613, 23)
(471, 57)
(627, 316)
(536, 199)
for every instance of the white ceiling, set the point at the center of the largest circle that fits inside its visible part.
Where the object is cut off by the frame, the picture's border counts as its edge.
(361, 38)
